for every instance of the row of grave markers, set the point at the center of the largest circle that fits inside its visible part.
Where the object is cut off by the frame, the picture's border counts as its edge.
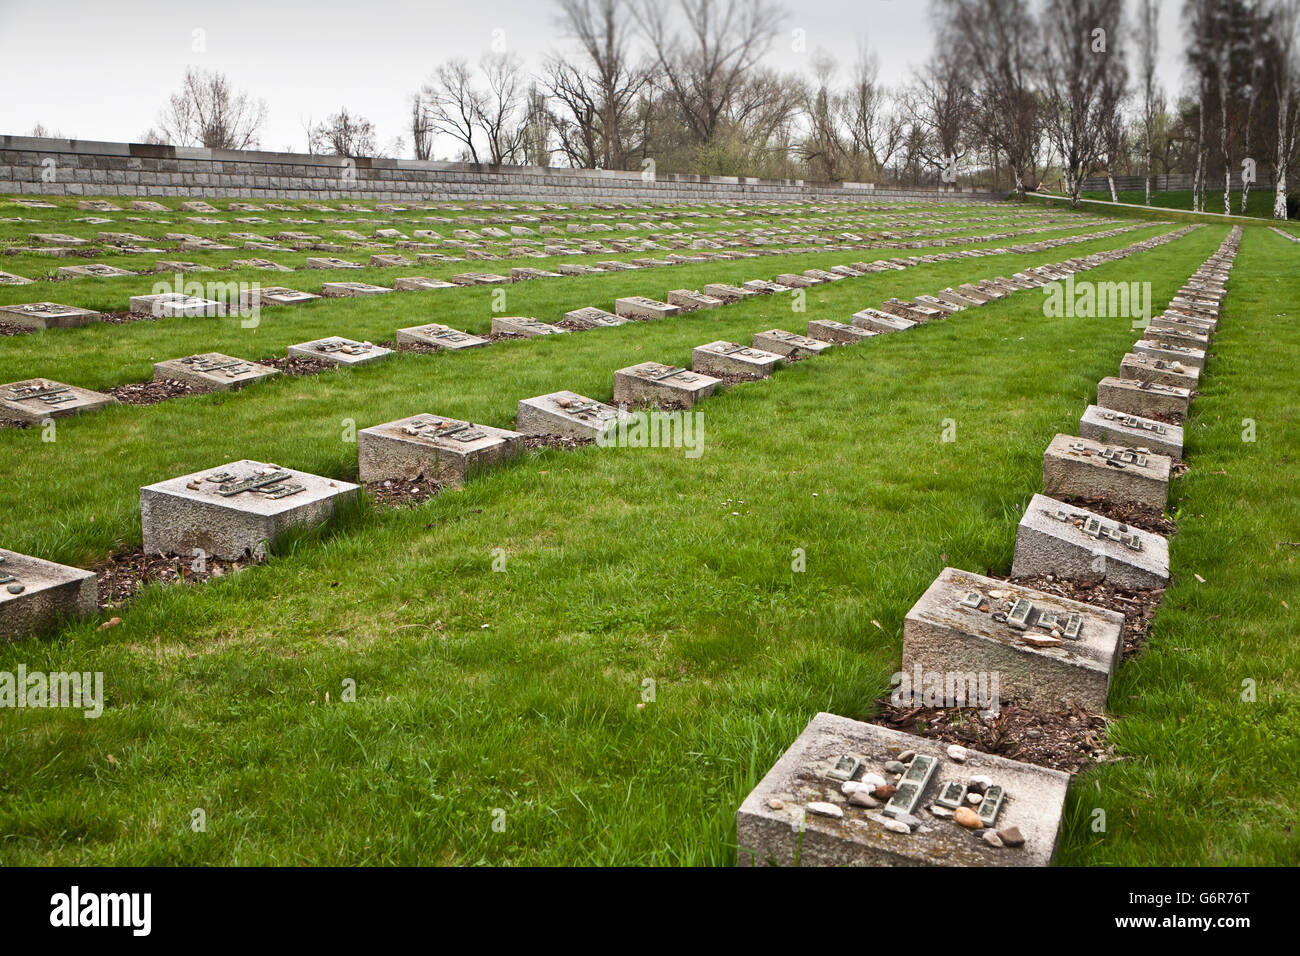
(1050, 653)
(242, 507)
(36, 399)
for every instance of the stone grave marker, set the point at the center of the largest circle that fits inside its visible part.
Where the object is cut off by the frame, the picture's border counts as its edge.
(1147, 368)
(479, 278)
(728, 293)
(642, 308)
(212, 372)
(879, 321)
(349, 289)
(8, 278)
(810, 808)
(439, 336)
(689, 300)
(97, 270)
(594, 318)
(730, 358)
(837, 333)
(1074, 544)
(235, 510)
(325, 262)
(274, 295)
(1049, 653)
(1110, 427)
(1191, 358)
(523, 325)
(59, 239)
(265, 264)
(1142, 398)
(340, 351)
(955, 298)
(389, 261)
(428, 446)
(35, 595)
(168, 305)
(1187, 339)
(198, 205)
(947, 308)
(1084, 468)
(36, 399)
(653, 383)
(910, 310)
(567, 414)
(789, 344)
(47, 315)
(525, 274)
(763, 287)
(147, 205)
(420, 284)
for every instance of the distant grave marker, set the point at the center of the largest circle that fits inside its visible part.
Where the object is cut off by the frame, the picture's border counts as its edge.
(36, 399)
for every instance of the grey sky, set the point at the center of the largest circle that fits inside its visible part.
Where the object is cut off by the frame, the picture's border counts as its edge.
(96, 70)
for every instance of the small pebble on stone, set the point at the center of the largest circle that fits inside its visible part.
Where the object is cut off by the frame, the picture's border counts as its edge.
(885, 792)
(980, 784)
(941, 812)
(967, 818)
(974, 798)
(895, 766)
(775, 804)
(991, 838)
(873, 780)
(860, 798)
(906, 756)
(825, 809)
(894, 826)
(958, 753)
(1011, 836)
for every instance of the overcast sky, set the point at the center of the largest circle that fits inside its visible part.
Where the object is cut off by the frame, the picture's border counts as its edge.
(101, 71)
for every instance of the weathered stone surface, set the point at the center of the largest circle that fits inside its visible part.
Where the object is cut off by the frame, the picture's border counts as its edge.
(1110, 427)
(837, 333)
(480, 278)
(879, 321)
(344, 289)
(46, 593)
(728, 293)
(1147, 368)
(168, 305)
(1074, 544)
(274, 295)
(1081, 467)
(388, 261)
(37, 399)
(1192, 358)
(941, 635)
(789, 344)
(730, 358)
(523, 325)
(439, 336)
(420, 284)
(327, 262)
(340, 351)
(8, 278)
(1182, 337)
(181, 514)
(565, 413)
(212, 372)
(1142, 398)
(594, 318)
(47, 315)
(688, 300)
(910, 310)
(440, 449)
(656, 384)
(640, 307)
(94, 270)
(775, 828)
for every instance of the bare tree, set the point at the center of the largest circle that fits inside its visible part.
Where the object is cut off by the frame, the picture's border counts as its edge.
(1083, 82)
(1148, 41)
(209, 112)
(343, 134)
(873, 132)
(452, 105)
(702, 68)
(1286, 18)
(992, 39)
(502, 111)
(421, 133)
(939, 104)
(600, 94)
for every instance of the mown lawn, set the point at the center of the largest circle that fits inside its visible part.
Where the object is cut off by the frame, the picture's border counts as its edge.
(1259, 203)
(512, 698)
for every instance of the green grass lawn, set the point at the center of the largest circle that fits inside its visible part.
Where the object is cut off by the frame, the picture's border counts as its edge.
(1259, 203)
(512, 697)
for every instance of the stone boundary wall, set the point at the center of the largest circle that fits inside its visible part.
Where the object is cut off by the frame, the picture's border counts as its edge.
(30, 165)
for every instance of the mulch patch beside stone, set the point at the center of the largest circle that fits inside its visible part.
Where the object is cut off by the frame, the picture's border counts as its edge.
(1068, 740)
(1138, 607)
(123, 576)
(150, 393)
(419, 347)
(7, 328)
(502, 336)
(538, 442)
(571, 325)
(403, 492)
(1138, 515)
(15, 423)
(291, 365)
(1169, 418)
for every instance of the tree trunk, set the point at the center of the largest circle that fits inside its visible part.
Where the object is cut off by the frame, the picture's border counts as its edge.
(1110, 178)
(1279, 167)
